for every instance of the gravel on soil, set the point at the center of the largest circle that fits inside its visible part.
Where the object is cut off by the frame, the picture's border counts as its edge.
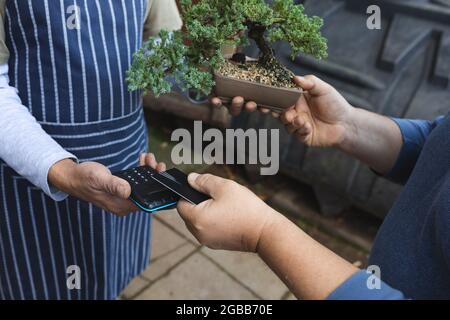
(252, 71)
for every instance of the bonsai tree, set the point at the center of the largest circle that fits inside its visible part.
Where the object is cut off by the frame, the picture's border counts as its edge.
(194, 53)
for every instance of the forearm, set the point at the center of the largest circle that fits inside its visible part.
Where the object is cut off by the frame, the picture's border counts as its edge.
(24, 145)
(373, 139)
(310, 270)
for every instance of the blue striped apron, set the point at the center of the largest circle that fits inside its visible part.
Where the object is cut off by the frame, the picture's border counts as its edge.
(70, 74)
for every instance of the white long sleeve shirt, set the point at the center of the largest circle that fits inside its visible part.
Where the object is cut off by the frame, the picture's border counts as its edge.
(24, 145)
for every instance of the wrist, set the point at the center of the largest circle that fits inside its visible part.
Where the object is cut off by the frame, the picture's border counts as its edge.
(60, 175)
(273, 225)
(350, 129)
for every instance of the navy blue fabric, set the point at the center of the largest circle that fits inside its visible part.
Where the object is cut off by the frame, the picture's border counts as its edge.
(415, 134)
(356, 288)
(72, 81)
(412, 248)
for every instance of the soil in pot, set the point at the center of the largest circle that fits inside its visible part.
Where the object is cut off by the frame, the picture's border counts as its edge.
(254, 72)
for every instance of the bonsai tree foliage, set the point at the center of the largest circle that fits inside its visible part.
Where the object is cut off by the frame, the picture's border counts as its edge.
(192, 54)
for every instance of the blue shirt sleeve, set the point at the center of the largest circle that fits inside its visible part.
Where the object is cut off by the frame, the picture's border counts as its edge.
(415, 134)
(357, 288)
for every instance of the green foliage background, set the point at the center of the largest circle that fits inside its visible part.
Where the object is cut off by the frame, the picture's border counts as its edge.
(209, 25)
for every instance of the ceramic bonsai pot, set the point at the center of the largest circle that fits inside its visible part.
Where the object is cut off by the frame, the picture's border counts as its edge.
(274, 98)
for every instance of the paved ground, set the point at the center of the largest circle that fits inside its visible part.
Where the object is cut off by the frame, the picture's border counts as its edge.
(182, 269)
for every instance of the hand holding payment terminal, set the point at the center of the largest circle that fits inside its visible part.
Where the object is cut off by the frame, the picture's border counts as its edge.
(152, 191)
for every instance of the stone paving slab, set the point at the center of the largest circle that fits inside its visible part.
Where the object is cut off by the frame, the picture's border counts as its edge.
(164, 240)
(137, 285)
(173, 219)
(196, 278)
(251, 271)
(164, 264)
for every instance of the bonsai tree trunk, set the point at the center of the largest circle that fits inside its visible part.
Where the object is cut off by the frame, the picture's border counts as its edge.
(267, 58)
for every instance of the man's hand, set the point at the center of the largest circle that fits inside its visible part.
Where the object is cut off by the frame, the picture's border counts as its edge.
(94, 183)
(321, 117)
(234, 219)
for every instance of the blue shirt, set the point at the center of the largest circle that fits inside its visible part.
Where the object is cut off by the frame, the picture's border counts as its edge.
(412, 248)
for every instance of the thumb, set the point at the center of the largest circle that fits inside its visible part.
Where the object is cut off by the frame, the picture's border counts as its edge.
(206, 183)
(312, 84)
(117, 187)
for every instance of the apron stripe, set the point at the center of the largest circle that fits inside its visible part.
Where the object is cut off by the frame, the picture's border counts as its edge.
(136, 42)
(107, 288)
(15, 51)
(2, 295)
(105, 48)
(115, 256)
(27, 59)
(138, 246)
(38, 246)
(24, 243)
(127, 38)
(137, 134)
(53, 62)
(85, 283)
(50, 246)
(126, 253)
(68, 66)
(38, 52)
(128, 245)
(93, 250)
(138, 130)
(6, 271)
(72, 243)
(83, 74)
(117, 224)
(122, 252)
(91, 129)
(61, 241)
(94, 57)
(119, 60)
(118, 153)
(133, 243)
(131, 224)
